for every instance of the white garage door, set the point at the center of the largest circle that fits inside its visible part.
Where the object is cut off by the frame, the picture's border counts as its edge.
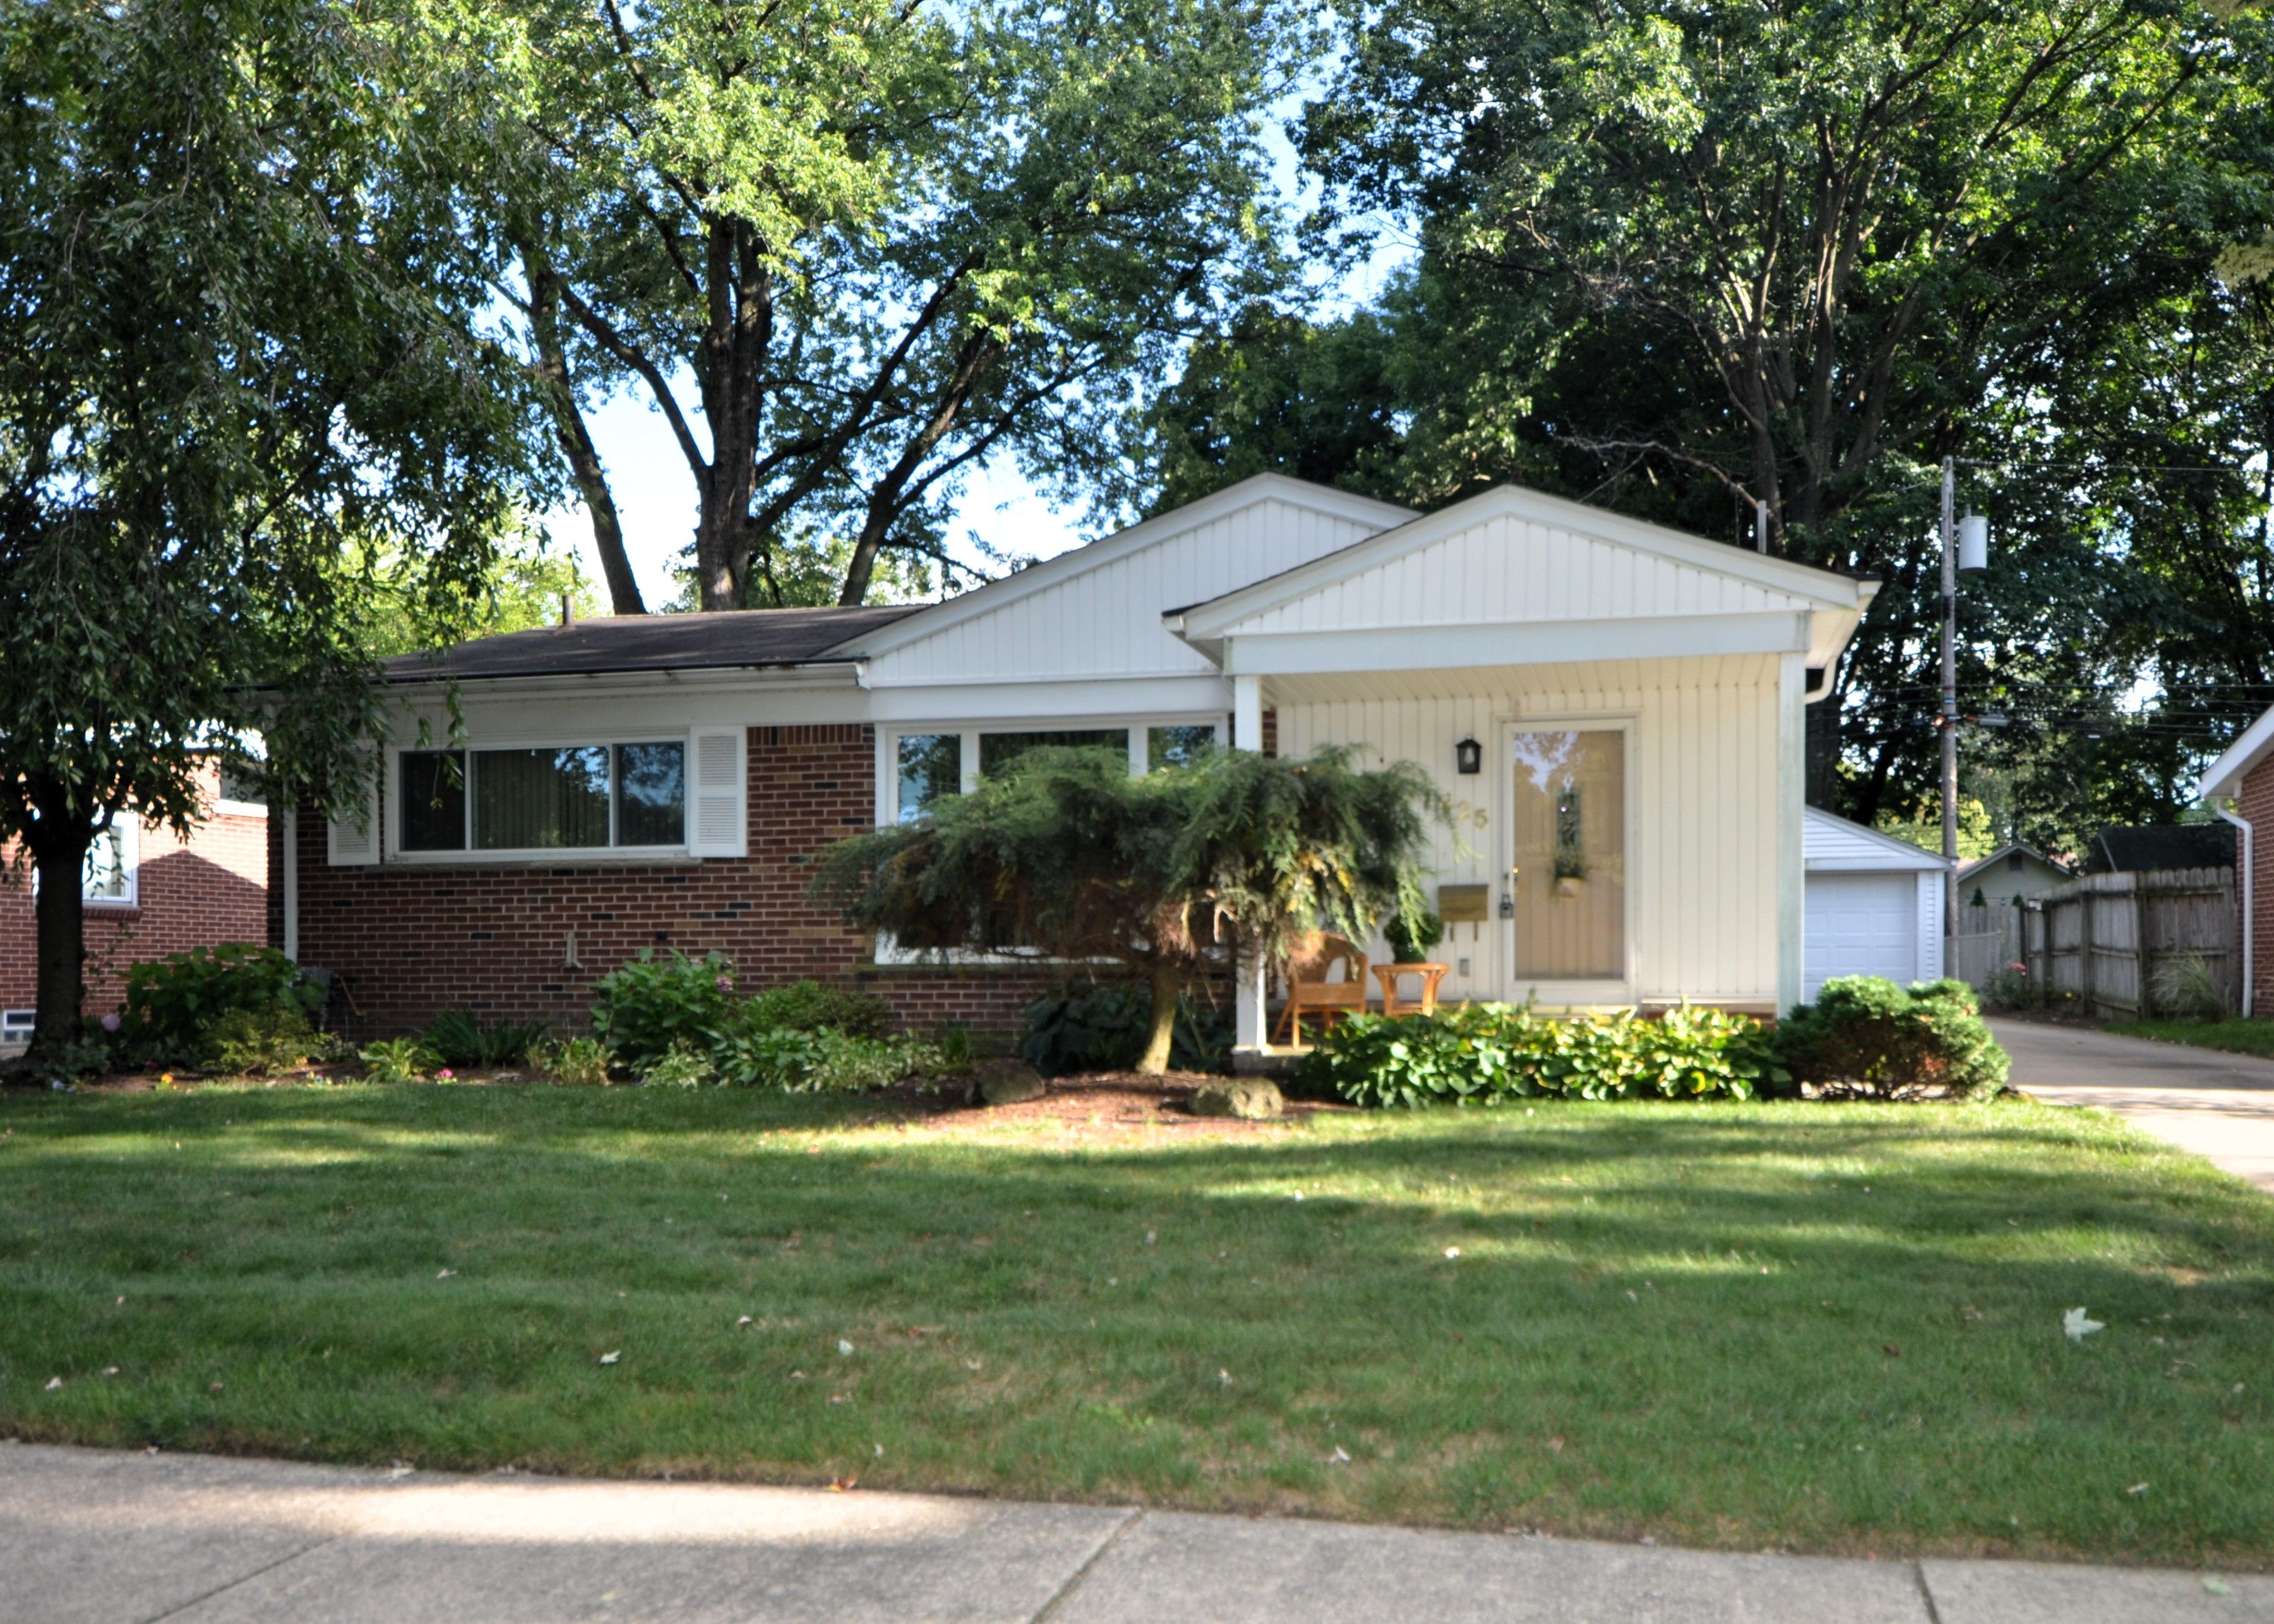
(1862, 924)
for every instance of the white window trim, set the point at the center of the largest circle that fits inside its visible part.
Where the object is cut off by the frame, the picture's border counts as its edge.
(469, 856)
(130, 860)
(888, 792)
(240, 808)
(1567, 992)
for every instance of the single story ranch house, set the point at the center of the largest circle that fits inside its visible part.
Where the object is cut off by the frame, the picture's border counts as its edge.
(1615, 709)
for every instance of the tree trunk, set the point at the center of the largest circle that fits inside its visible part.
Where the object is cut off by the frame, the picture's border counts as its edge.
(1168, 982)
(59, 857)
(575, 440)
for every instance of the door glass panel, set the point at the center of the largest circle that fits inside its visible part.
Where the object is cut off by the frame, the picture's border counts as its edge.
(1570, 854)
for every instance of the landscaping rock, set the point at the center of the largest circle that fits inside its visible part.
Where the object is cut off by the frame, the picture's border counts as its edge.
(1251, 1099)
(1005, 1082)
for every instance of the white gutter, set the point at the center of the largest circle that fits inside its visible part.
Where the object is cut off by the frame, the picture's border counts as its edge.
(2249, 922)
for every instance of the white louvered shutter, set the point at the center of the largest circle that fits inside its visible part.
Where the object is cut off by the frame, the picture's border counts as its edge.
(715, 823)
(352, 839)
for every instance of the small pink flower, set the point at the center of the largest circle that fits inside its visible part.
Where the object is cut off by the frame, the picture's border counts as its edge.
(725, 983)
(446, 1075)
(110, 1023)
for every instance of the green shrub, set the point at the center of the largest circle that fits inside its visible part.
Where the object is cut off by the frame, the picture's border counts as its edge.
(458, 1041)
(1488, 1053)
(824, 1061)
(580, 1063)
(173, 1003)
(1104, 1028)
(1866, 1035)
(650, 1003)
(682, 1067)
(397, 1060)
(808, 1006)
(91, 1054)
(259, 1042)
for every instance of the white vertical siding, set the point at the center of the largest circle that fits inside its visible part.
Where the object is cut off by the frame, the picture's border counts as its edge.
(1703, 843)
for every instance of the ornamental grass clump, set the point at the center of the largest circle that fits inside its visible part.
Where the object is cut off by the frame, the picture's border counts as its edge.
(1488, 1054)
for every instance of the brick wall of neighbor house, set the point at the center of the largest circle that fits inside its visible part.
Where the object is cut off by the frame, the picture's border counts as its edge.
(2255, 804)
(412, 941)
(211, 887)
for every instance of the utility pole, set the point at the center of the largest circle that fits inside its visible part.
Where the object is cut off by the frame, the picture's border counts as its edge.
(1950, 694)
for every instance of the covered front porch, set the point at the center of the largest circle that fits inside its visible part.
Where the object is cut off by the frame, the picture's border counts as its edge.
(1614, 711)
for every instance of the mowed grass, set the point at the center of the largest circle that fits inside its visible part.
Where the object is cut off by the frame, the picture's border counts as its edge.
(1805, 1326)
(2235, 1035)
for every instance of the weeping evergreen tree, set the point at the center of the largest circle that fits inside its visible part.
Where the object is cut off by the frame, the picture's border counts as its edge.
(1066, 856)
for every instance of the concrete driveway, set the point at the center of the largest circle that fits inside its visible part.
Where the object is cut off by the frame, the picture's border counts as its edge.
(94, 1537)
(2218, 1105)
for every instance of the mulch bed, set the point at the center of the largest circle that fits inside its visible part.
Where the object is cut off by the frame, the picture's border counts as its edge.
(1100, 1106)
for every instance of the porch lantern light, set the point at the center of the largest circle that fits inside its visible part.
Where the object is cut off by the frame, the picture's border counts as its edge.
(1469, 755)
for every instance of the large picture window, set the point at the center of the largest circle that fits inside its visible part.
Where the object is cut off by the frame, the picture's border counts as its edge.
(997, 751)
(1570, 854)
(930, 766)
(581, 797)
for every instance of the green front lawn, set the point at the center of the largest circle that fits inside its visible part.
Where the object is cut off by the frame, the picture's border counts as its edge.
(2236, 1035)
(1834, 1328)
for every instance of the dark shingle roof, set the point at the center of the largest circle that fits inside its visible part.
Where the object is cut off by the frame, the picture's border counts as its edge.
(2161, 845)
(650, 642)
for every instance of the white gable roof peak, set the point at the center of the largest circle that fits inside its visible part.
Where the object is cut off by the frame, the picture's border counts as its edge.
(1830, 842)
(1049, 572)
(1804, 586)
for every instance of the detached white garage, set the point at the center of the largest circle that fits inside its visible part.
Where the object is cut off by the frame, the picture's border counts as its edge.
(1874, 904)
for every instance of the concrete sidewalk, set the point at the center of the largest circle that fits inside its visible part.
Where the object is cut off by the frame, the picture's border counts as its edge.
(91, 1536)
(2218, 1105)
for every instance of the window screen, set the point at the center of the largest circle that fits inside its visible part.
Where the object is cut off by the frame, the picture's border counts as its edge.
(434, 801)
(651, 794)
(930, 766)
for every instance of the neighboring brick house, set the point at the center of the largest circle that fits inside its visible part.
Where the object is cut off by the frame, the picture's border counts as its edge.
(1614, 711)
(2240, 785)
(147, 893)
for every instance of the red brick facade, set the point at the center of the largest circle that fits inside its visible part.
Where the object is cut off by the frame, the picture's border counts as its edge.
(2255, 805)
(410, 943)
(211, 887)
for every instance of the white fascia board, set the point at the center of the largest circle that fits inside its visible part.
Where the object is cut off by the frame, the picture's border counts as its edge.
(1889, 853)
(1113, 697)
(1219, 616)
(995, 594)
(624, 703)
(2224, 777)
(1520, 642)
(824, 676)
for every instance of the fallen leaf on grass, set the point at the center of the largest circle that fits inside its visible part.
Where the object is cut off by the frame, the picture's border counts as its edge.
(845, 1348)
(54, 1382)
(1452, 1251)
(2137, 1488)
(838, 1485)
(110, 1370)
(1340, 1457)
(744, 1321)
(2077, 1327)
(444, 1273)
(1890, 1350)
(401, 1469)
(610, 1358)
(2218, 1586)
(1223, 1376)
(1555, 1445)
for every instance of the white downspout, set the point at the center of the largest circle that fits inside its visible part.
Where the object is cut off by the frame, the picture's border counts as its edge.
(1250, 993)
(291, 883)
(2249, 923)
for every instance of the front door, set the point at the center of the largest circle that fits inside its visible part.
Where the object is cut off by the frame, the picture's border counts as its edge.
(1568, 879)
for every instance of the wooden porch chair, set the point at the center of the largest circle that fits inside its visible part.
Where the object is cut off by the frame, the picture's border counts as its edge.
(1312, 986)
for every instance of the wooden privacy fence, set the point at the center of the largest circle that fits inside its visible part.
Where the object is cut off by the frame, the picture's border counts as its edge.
(2105, 939)
(1987, 940)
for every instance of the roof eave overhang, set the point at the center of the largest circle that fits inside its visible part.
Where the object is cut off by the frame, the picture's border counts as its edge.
(803, 674)
(2222, 778)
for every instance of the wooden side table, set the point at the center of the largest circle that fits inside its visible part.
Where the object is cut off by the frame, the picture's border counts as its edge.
(1430, 975)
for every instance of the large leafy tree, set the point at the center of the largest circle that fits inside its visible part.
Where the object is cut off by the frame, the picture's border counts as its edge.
(1687, 258)
(1067, 857)
(234, 338)
(849, 248)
